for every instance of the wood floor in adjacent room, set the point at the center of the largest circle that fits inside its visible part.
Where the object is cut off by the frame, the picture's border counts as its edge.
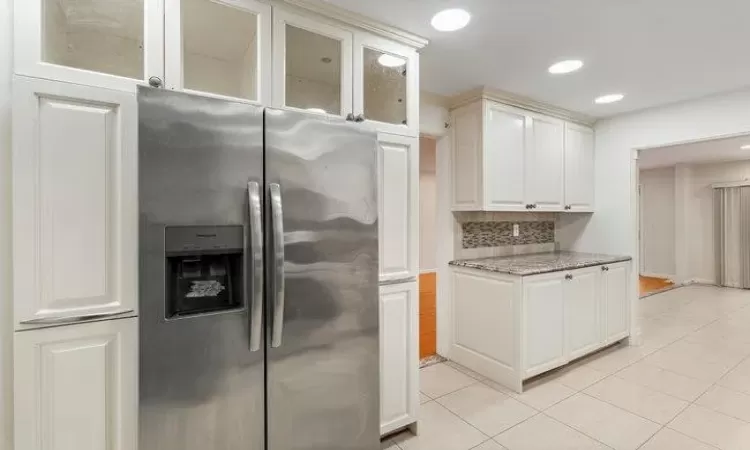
(649, 285)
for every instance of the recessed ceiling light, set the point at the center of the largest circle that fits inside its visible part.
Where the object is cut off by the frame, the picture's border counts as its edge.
(450, 20)
(745, 147)
(567, 66)
(609, 98)
(317, 110)
(386, 60)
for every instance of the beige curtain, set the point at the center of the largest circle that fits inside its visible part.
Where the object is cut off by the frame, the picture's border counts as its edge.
(732, 228)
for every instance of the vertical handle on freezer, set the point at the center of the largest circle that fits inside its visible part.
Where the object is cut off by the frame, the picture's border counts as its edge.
(255, 302)
(277, 222)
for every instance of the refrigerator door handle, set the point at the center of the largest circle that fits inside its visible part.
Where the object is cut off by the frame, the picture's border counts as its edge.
(255, 313)
(277, 222)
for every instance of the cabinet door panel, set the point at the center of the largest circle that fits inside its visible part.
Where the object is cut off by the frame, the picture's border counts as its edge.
(97, 42)
(616, 285)
(543, 318)
(579, 168)
(386, 84)
(467, 158)
(544, 163)
(75, 200)
(235, 63)
(312, 65)
(76, 387)
(582, 312)
(398, 205)
(504, 150)
(399, 363)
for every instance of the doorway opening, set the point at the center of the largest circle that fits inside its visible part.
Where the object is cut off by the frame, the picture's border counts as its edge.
(427, 249)
(685, 236)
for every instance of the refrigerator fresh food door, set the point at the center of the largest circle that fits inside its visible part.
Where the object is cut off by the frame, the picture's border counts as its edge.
(322, 289)
(201, 273)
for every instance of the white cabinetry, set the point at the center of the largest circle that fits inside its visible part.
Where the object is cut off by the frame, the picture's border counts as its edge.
(543, 308)
(544, 163)
(511, 328)
(75, 201)
(510, 159)
(398, 203)
(583, 309)
(219, 48)
(76, 387)
(399, 377)
(579, 168)
(616, 301)
(97, 43)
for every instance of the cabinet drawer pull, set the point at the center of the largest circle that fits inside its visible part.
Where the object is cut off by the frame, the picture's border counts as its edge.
(74, 319)
(569, 276)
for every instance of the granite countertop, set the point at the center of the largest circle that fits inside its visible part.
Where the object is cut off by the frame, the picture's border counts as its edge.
(536, 263)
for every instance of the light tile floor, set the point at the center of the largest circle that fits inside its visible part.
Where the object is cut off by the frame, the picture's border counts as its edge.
(686, 387)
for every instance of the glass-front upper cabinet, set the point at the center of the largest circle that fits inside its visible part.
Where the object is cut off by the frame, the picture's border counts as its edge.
(219, 47)
(114, 44)
(312, 65)
(386, 89)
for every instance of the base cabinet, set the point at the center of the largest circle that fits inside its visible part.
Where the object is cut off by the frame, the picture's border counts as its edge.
(399, 363)
(615, 294)
(76, 387)
(511, 328)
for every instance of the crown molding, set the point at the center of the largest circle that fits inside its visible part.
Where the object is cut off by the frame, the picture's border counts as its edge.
(359, 21)
(519, 101)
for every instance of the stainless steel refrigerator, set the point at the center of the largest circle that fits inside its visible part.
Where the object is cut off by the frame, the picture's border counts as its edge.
(258, 278)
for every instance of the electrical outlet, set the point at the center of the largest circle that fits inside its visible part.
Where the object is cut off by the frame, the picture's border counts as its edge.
(515, 230)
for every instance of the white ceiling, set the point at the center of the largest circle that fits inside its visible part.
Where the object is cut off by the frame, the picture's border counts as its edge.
(700, 152)
(654, 51)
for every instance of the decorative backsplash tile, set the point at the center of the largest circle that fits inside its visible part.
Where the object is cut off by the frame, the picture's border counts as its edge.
(497, 234)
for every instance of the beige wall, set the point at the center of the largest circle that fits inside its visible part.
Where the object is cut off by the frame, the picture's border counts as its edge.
(427, 205)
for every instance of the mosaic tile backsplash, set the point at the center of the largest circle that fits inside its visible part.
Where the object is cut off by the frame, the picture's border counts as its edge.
(497, 234)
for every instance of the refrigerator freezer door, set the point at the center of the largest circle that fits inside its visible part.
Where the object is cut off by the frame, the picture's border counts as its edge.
(323, 381)
(201, 385)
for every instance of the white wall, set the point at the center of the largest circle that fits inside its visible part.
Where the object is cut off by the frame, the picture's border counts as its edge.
(6, 324)
(658, 222)
(612, 228)
(427, 205)
(433, 114)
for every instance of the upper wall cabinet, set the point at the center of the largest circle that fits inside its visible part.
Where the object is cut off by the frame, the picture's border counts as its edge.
(510, 159)
(386, 84)
(219, 47)
(104, 43)
(579, 168)
(312, 64)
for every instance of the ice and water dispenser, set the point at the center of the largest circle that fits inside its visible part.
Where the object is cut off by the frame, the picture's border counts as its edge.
(204, 269)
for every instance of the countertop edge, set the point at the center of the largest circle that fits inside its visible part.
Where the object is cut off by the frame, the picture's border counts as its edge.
(540, 271)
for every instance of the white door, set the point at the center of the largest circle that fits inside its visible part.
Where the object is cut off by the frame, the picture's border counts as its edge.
(583, 312)
(105, 43)
(544, 163)
(312, 64)
(398, 206)
(505, 144)
(220, 48)
(616, 282)
(75, 202)
(386, 84)
(76, 387)
(579, 168)
(399, 358)
(543, 323)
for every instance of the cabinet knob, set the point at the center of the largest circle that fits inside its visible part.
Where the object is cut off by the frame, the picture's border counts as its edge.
(568, 207)
(569, 276)
(155, 82)
(534, 206)
(350, 117)
(360, 118)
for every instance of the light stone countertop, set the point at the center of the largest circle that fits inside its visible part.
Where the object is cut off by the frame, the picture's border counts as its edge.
(536, 263)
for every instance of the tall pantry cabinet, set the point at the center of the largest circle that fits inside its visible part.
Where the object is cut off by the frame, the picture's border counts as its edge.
(75, 204)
